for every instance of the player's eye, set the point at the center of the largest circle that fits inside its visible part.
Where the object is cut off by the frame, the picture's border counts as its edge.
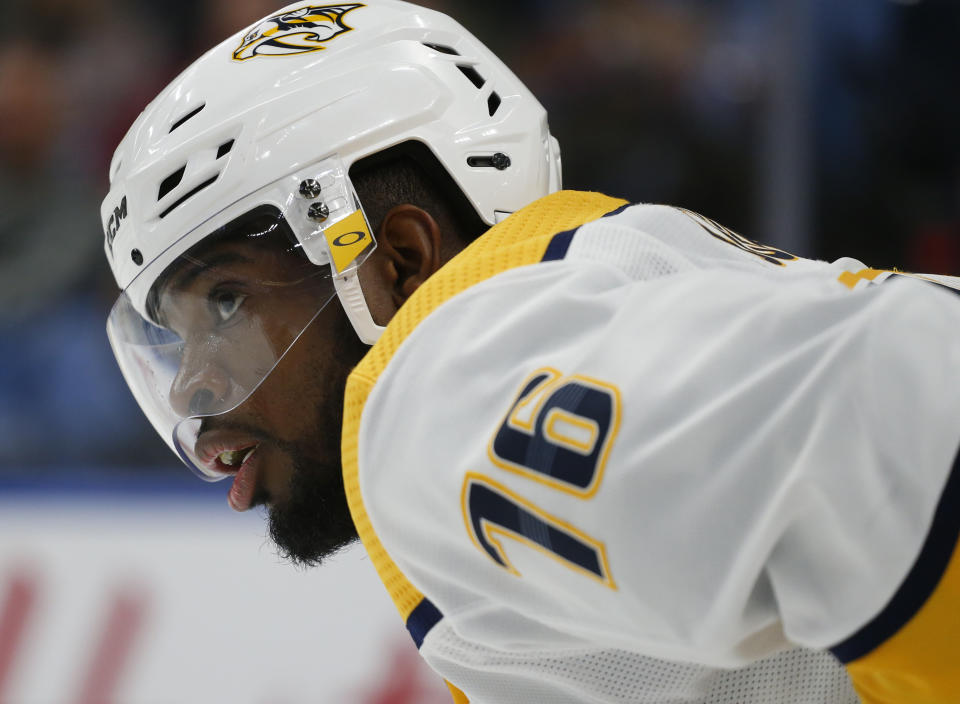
(225, 304)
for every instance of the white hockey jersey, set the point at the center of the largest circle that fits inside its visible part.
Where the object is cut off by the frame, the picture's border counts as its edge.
(616, 453)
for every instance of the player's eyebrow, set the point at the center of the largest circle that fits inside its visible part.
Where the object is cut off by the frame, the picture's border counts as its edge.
(183, 278)
(185, 275)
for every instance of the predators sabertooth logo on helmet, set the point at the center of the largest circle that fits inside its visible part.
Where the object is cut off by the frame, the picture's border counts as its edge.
(301, 31)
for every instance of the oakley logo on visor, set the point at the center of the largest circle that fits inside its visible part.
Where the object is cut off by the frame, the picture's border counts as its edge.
(302, 31)
(347, 239)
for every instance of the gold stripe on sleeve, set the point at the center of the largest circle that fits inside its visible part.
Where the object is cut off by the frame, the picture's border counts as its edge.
(910, 651)
(921, 663)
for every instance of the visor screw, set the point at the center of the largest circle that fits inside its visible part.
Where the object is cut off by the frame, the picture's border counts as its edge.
(137, 257)
(500, 161)
(318, 211)
(310, 188)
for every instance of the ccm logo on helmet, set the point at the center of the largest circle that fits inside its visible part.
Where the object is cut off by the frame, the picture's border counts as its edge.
(298, 32)
(113, 223)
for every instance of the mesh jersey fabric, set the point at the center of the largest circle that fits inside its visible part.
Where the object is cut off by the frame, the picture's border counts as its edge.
(590, 674)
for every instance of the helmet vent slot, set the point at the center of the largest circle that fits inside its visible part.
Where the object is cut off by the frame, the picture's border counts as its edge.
(186, 117)
(470, 72)
(188, 195)
(498, 161)
(171, 182)
(493, 103)
(442, 49)
(224, 149)
(480, 161)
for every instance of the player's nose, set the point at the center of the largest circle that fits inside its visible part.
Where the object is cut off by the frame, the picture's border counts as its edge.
(199, 387)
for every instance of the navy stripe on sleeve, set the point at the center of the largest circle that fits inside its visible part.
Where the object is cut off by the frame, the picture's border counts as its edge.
(423, 617)
(920, 583)
(557, 249)
(617, 211)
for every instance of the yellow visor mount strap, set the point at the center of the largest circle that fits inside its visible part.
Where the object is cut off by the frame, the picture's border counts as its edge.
(347, 239)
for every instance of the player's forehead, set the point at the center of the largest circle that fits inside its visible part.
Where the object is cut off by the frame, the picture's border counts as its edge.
(262, 235)
(260, 246)
(225, 248)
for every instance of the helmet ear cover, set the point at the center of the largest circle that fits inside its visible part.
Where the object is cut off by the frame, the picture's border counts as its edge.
(410, 172)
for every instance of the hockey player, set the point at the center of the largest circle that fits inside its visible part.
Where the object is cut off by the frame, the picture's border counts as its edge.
(597, 452)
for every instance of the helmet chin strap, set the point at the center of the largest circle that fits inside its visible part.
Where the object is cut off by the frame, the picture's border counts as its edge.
(353, 302)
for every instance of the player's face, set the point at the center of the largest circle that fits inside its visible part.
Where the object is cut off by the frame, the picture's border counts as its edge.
(282, 444)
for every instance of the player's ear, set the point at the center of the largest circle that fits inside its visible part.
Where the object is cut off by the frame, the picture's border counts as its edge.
(408, 243)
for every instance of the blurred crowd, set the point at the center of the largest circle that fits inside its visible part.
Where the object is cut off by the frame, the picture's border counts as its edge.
(653, 100)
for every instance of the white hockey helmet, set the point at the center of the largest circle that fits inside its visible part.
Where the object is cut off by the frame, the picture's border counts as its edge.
(257, 137)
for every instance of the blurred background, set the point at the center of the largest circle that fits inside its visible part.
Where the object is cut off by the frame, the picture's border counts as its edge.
(825, 128)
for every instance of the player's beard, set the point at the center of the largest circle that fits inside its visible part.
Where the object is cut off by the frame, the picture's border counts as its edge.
(315, 522)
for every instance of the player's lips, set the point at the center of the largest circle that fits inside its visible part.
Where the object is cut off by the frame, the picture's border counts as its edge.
(229, 453)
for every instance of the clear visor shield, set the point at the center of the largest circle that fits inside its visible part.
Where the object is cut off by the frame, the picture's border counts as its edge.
(205, 323)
